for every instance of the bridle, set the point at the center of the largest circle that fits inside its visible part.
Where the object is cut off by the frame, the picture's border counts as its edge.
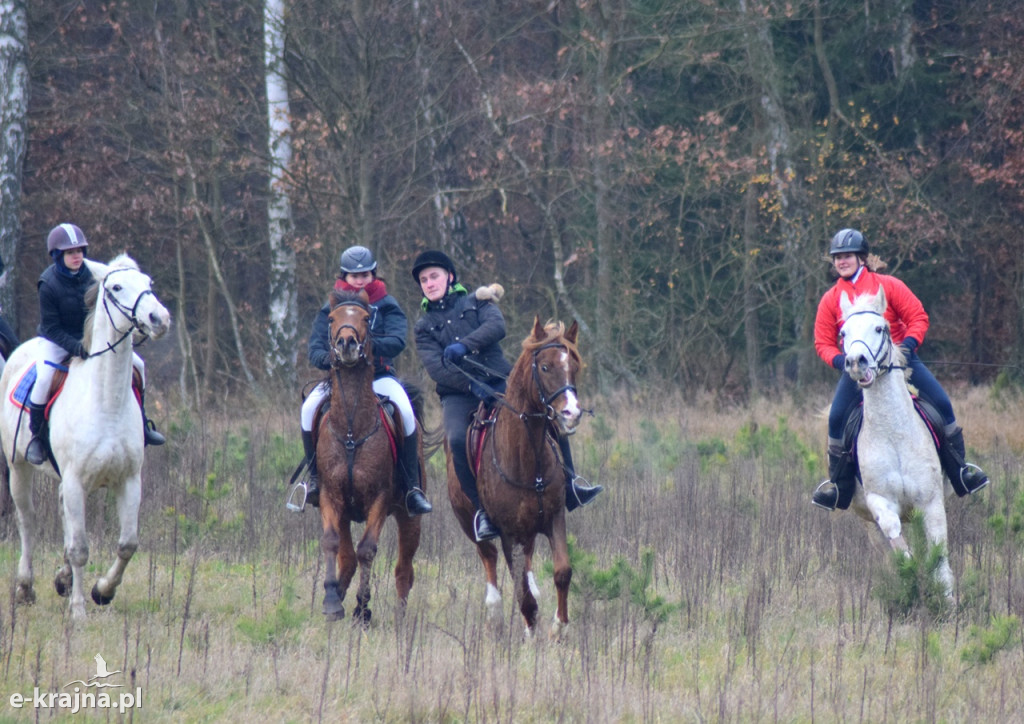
(360, 340)
(129, 313)
(882, 351)
(545, 398)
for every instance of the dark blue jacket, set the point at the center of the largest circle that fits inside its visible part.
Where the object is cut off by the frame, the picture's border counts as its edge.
(62, 309)
(388, 329)
(461, 317)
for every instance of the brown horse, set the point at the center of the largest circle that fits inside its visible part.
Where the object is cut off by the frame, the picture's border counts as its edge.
(356, 454)
(520, 476)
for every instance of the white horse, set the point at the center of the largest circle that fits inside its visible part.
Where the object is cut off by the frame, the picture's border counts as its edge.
(96, 432)
(899, 466)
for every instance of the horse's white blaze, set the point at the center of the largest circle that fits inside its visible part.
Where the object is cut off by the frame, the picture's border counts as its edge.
(899, 465)
(95, 430)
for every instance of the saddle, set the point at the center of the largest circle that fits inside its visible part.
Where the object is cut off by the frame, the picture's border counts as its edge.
(855, 416)
(20, 392)
(480, 426)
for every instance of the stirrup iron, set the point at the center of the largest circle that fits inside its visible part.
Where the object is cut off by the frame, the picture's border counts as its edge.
(822, 484)
(294, 502)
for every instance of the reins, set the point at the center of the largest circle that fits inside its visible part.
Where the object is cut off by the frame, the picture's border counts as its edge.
(884, 346)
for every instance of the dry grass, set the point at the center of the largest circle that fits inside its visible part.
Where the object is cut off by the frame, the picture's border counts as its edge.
(219, 620)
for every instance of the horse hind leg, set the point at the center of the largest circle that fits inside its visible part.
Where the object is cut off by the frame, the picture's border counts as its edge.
(563, 575)
(935, 531)
(330, 544)
(405, 575)
(524, 596)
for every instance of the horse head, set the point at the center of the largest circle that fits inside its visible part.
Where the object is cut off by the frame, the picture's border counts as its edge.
(128, 301)
(350, 328)
(554, 367)
(865, 337)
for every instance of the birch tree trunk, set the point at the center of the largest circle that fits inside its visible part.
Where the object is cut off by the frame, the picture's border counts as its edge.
(283, 308)
(13, 139)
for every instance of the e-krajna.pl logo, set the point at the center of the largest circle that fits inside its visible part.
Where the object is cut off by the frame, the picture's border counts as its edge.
(91, 694)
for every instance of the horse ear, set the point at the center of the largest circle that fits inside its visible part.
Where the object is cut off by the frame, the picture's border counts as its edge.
(880, 302)
(332, 298)
(364, 297)
(845, 303)
(538, 328)
(573, 332)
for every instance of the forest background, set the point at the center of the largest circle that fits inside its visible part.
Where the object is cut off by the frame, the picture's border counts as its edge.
(667, 172)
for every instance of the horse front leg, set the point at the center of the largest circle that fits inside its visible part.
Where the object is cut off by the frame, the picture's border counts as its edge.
(887, 518)
(935, 532)
(128, 500)
(21, 492)
(76, 545)
(563, 573)
(365, 554)
(516, 556)
(488, 553)
(330, 544)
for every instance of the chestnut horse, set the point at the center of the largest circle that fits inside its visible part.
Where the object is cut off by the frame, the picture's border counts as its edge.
(356, 455)
(520, 475)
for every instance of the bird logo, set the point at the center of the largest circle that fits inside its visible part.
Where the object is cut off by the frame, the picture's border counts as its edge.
(101, 673)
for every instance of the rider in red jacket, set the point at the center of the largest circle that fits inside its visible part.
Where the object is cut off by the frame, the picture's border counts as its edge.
(908, 324)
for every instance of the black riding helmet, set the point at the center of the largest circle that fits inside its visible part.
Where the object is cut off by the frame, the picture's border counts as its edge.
(357, 259)
(848, 241)
(432, 257)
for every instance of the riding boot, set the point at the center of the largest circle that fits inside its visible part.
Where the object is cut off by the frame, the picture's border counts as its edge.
(312, 478)
(150, 434)
(838, 490)
(483, 528)
(965, 477)
(416, 502)
(576, 495)
(39, 446)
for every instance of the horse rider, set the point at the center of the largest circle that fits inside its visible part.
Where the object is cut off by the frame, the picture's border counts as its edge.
(908, 323)
(454, 325)
(357, 270)
(62, 314)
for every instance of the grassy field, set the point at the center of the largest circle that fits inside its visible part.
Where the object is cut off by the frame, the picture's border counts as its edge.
(706, 588)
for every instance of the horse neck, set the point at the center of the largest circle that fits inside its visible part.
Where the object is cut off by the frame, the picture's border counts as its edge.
(526, 416)
(110, 359)
(352, 397)
(889, 393)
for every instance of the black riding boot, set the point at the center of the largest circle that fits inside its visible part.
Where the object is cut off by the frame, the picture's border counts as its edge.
(312, 478)
(39, 446)
(416, 502)
(842, 473)
(576, 495)
(483, 528)
(150, 434)
(963, 476)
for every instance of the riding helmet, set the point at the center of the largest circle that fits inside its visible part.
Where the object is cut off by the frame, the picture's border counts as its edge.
(357, 259)
(432, 257)
(848, 241)
(65, 236)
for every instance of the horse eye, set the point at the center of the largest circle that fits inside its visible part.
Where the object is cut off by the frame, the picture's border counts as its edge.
(117, 288)
(543, 368)
(878, 328)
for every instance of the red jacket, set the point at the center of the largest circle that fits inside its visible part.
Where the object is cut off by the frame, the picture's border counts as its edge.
(904, 311)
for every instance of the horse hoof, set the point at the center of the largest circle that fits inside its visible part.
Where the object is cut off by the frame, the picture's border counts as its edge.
(99, 598)
(62, 582)
(25, 596)
(334, 615)
(362, 615)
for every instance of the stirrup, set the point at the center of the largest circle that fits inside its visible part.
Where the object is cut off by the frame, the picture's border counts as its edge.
(819, 499)
(295, 503)
(483, 528)
(971, 467)
(577, 495)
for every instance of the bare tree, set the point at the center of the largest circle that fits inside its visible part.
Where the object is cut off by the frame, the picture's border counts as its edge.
(283, 307)
(13, 138)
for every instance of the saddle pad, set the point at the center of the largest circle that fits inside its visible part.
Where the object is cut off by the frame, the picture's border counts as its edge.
(21, 391)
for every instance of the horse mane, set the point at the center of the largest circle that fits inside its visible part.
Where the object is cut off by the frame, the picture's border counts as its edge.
(121, 261)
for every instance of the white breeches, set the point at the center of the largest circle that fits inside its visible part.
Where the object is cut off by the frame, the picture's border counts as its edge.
(384, 386)
(50, 354)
